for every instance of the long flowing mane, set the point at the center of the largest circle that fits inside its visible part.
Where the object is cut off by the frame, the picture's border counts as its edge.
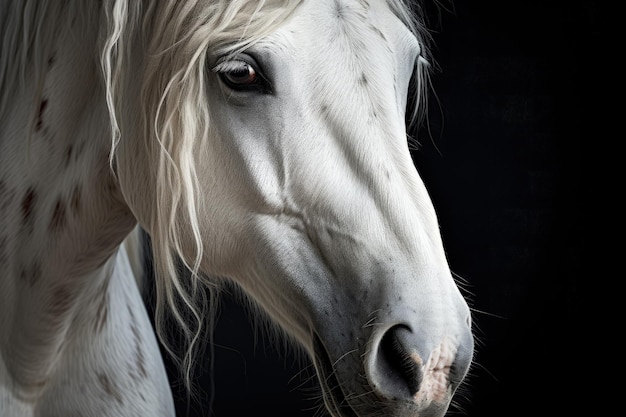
(176, 38)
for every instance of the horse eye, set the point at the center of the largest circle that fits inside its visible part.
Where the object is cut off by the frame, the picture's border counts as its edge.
(240, 75)
(245, 75)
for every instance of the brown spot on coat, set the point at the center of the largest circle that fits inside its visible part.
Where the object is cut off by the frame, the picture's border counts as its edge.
(68, 155)
(75, 200)
(57, 221)
(42, 109)
(28, 204)
(31, 274)
(325, 112)
(379, 32)
(140, 360)
(102, 314)
(61, 302)
(109, 387)
(339, 10)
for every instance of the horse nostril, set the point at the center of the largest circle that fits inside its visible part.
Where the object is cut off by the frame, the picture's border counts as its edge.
(408, 367)
(398, 361)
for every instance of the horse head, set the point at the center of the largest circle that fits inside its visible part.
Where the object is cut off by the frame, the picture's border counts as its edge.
(275, 143)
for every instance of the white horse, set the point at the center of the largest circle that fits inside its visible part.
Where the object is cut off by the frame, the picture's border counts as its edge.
(261, 143)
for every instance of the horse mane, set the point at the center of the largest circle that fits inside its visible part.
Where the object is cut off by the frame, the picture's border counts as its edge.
(177, 37)
(172, 111)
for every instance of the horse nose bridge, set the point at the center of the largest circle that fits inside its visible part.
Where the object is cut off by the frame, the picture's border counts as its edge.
(389, 247)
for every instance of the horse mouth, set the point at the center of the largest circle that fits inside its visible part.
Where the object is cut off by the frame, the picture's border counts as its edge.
(334, 397)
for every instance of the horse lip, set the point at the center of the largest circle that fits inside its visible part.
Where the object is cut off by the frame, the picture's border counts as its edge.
(334, 397)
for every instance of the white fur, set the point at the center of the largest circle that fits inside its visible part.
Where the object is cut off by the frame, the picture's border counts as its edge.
(305, 197)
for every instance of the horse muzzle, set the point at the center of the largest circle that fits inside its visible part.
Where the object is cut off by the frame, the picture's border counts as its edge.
(401, 374)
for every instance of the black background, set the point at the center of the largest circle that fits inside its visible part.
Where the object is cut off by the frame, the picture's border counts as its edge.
(502, 157)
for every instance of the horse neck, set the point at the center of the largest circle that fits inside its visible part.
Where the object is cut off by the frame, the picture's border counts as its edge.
(62, 216)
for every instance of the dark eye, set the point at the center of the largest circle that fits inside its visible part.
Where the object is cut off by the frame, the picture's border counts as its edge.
(242, 75)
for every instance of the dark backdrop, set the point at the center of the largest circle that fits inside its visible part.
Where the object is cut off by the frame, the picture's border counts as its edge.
(503, 161)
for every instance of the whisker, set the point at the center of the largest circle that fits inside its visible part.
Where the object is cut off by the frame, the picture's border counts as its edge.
(343, 356)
